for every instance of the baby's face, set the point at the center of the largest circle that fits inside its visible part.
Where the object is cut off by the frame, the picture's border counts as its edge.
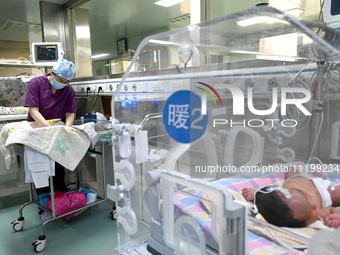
(301, 203)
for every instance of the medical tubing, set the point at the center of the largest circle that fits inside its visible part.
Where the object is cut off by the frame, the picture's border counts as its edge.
(310, 122)
(279, 229)
(95, 99)
(327, 113)
(322, 3)
(173, 156)
(301, 70)
(113, 141)
(318, 113)
(316, 138)
(324, 175)
(147, 118)
(255, 209)
(316, 158)
(127, 198)
(278, 240)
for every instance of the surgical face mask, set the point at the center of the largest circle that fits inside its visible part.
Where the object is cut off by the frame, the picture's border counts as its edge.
(57, 85)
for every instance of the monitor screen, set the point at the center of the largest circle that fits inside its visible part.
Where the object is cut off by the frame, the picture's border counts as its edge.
(335, 7)
(46, 53)
(331, 11)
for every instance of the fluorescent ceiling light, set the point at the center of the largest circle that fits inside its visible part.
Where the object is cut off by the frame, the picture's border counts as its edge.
(161, 42)
(100, 55)
(294, 11)
(168, 3)
(276, 58)
(246, 52)
(258, 20)
(260, 55)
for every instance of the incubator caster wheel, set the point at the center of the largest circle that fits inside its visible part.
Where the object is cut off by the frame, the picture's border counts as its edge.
(113, 214)
(18, 224)
(40, 243)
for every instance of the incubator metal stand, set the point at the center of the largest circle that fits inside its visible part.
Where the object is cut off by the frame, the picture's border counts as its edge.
(40, 243)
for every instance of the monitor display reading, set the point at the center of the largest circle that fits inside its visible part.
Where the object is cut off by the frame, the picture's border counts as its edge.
(46, 53)
(335, 7)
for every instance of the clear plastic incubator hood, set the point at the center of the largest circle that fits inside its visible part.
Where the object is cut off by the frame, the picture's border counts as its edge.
(239, 97)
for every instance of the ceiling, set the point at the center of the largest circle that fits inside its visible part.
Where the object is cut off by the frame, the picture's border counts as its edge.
(135, 19)
(21, 12)
(131, 19)
(111, 20)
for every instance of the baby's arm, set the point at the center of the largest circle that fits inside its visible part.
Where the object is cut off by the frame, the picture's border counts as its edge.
(325, 211)
(335, 210)
(248, 193)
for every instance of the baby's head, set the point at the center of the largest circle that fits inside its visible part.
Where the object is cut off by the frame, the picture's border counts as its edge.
(281, 209)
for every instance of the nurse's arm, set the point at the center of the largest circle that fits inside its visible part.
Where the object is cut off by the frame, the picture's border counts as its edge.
(36, 115)
(69, 119)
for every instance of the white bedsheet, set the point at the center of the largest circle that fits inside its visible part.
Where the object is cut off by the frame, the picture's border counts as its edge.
(38, 167)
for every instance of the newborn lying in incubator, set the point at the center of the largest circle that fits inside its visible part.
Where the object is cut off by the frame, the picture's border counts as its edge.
(300, 201)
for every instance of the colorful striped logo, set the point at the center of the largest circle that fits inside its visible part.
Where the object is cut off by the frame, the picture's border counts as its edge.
(209, 93)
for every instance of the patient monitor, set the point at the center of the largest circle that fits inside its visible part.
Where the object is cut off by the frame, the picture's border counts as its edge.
(332, 12)
(46, 53)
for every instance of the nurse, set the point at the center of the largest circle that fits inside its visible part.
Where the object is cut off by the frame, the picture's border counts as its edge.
(52, 97)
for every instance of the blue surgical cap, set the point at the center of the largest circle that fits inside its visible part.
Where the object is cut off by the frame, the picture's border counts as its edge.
(64, 69)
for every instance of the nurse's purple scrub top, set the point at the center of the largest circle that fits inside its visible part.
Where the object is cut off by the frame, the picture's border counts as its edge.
(51, 106)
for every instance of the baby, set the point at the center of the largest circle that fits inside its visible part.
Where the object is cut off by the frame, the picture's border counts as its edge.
(302, 200)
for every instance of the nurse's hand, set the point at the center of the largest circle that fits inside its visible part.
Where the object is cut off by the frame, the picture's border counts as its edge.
(248, 194)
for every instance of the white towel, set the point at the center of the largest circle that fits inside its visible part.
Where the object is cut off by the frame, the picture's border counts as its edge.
(38, 167)
(65, 145)
(89, 129)
(5, 132)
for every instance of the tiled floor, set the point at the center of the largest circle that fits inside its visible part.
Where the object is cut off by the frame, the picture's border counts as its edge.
(90, 233)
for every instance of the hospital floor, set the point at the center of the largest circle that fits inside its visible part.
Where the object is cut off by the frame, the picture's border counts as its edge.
(93, 232)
